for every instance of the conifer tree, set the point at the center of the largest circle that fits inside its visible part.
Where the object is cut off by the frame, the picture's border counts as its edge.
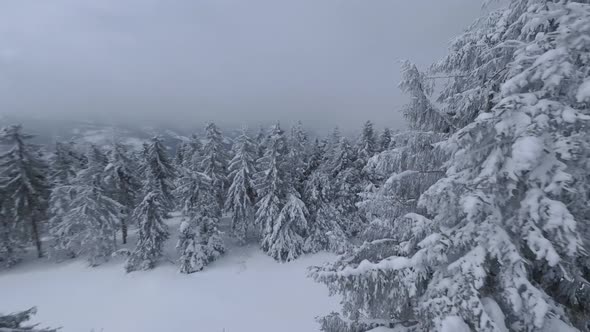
(367, 143)
(285, 240)
(241, 196)
(193, 153)
(280, 212)
(64, 165)
(23, 179)
(153, 232)
(316, 157)
(200, 241)
(159, 173)
(497, 247)
(324, 221)
(122, 183)
(385, 140)
(346, 179)
(11, 245)
(298, 150)
(214, 163)
(89, 225)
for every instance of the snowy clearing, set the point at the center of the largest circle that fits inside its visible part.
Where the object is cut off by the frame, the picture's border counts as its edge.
(243, 291)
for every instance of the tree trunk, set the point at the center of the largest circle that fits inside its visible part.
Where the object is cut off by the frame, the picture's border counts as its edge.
(36, 237)
(124, 230)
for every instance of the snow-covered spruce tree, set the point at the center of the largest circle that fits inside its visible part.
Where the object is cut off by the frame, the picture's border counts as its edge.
(23, 179)
(64, 164)
(298, 153)
(241, 196)
(149, 215)
(122, 183)
(200, 241)
(409, 169)
(159, 172)
(14, 322)
(89, 225)
(214, 163)
(324, 221)
(180, 155)
(502, 251)
(316, 157)
(11, 245)
(346, 181)
(280, 214)
(331, 145)
(286, 240)
(367, 143)
(260, 141)
(384, 140)
(193, 153)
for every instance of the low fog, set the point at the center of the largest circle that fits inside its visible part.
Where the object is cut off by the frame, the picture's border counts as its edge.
(182, 62)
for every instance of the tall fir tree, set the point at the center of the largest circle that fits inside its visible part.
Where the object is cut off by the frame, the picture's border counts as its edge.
(499, 246)
(367, 144)
(298, 155)
(324, 222)
(193, 153)
(214, 163)
(153, 232)
(159, 173)
(89, 225)
(384, 140)
(23, 179)
(241, 196)
(122, 183)
(346, 180)
(200, 241)
(280, 212)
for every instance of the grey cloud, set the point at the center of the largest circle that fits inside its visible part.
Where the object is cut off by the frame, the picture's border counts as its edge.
(326, 62)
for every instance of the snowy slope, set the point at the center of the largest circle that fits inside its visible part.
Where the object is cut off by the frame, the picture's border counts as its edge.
(244, 291)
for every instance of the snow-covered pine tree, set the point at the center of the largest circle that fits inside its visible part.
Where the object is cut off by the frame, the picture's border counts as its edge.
(367, 144)
(122, 183)
(23, 179)
(316, 157)
(502, 249)
(298, 154)
(193, 153)
(64, 164)
(280, 212)
(89, 225)
(159, 173)
(324, 222)
(214, 163)
(200, 241)
(286, 240)
(409, 169)
(270, 184)
(346, 181)
(180, 155)
(11, 244)
(241, 196)
(153, 232)
(331, 144)
(260, 141)
(385, 140)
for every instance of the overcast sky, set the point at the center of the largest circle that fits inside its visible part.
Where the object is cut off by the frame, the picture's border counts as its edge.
(326, 62)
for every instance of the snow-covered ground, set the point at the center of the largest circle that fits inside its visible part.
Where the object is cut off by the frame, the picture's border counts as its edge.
(244, 291)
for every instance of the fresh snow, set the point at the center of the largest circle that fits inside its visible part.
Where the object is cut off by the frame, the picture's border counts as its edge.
(493, 310)
(243, 291)
(454, 324)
